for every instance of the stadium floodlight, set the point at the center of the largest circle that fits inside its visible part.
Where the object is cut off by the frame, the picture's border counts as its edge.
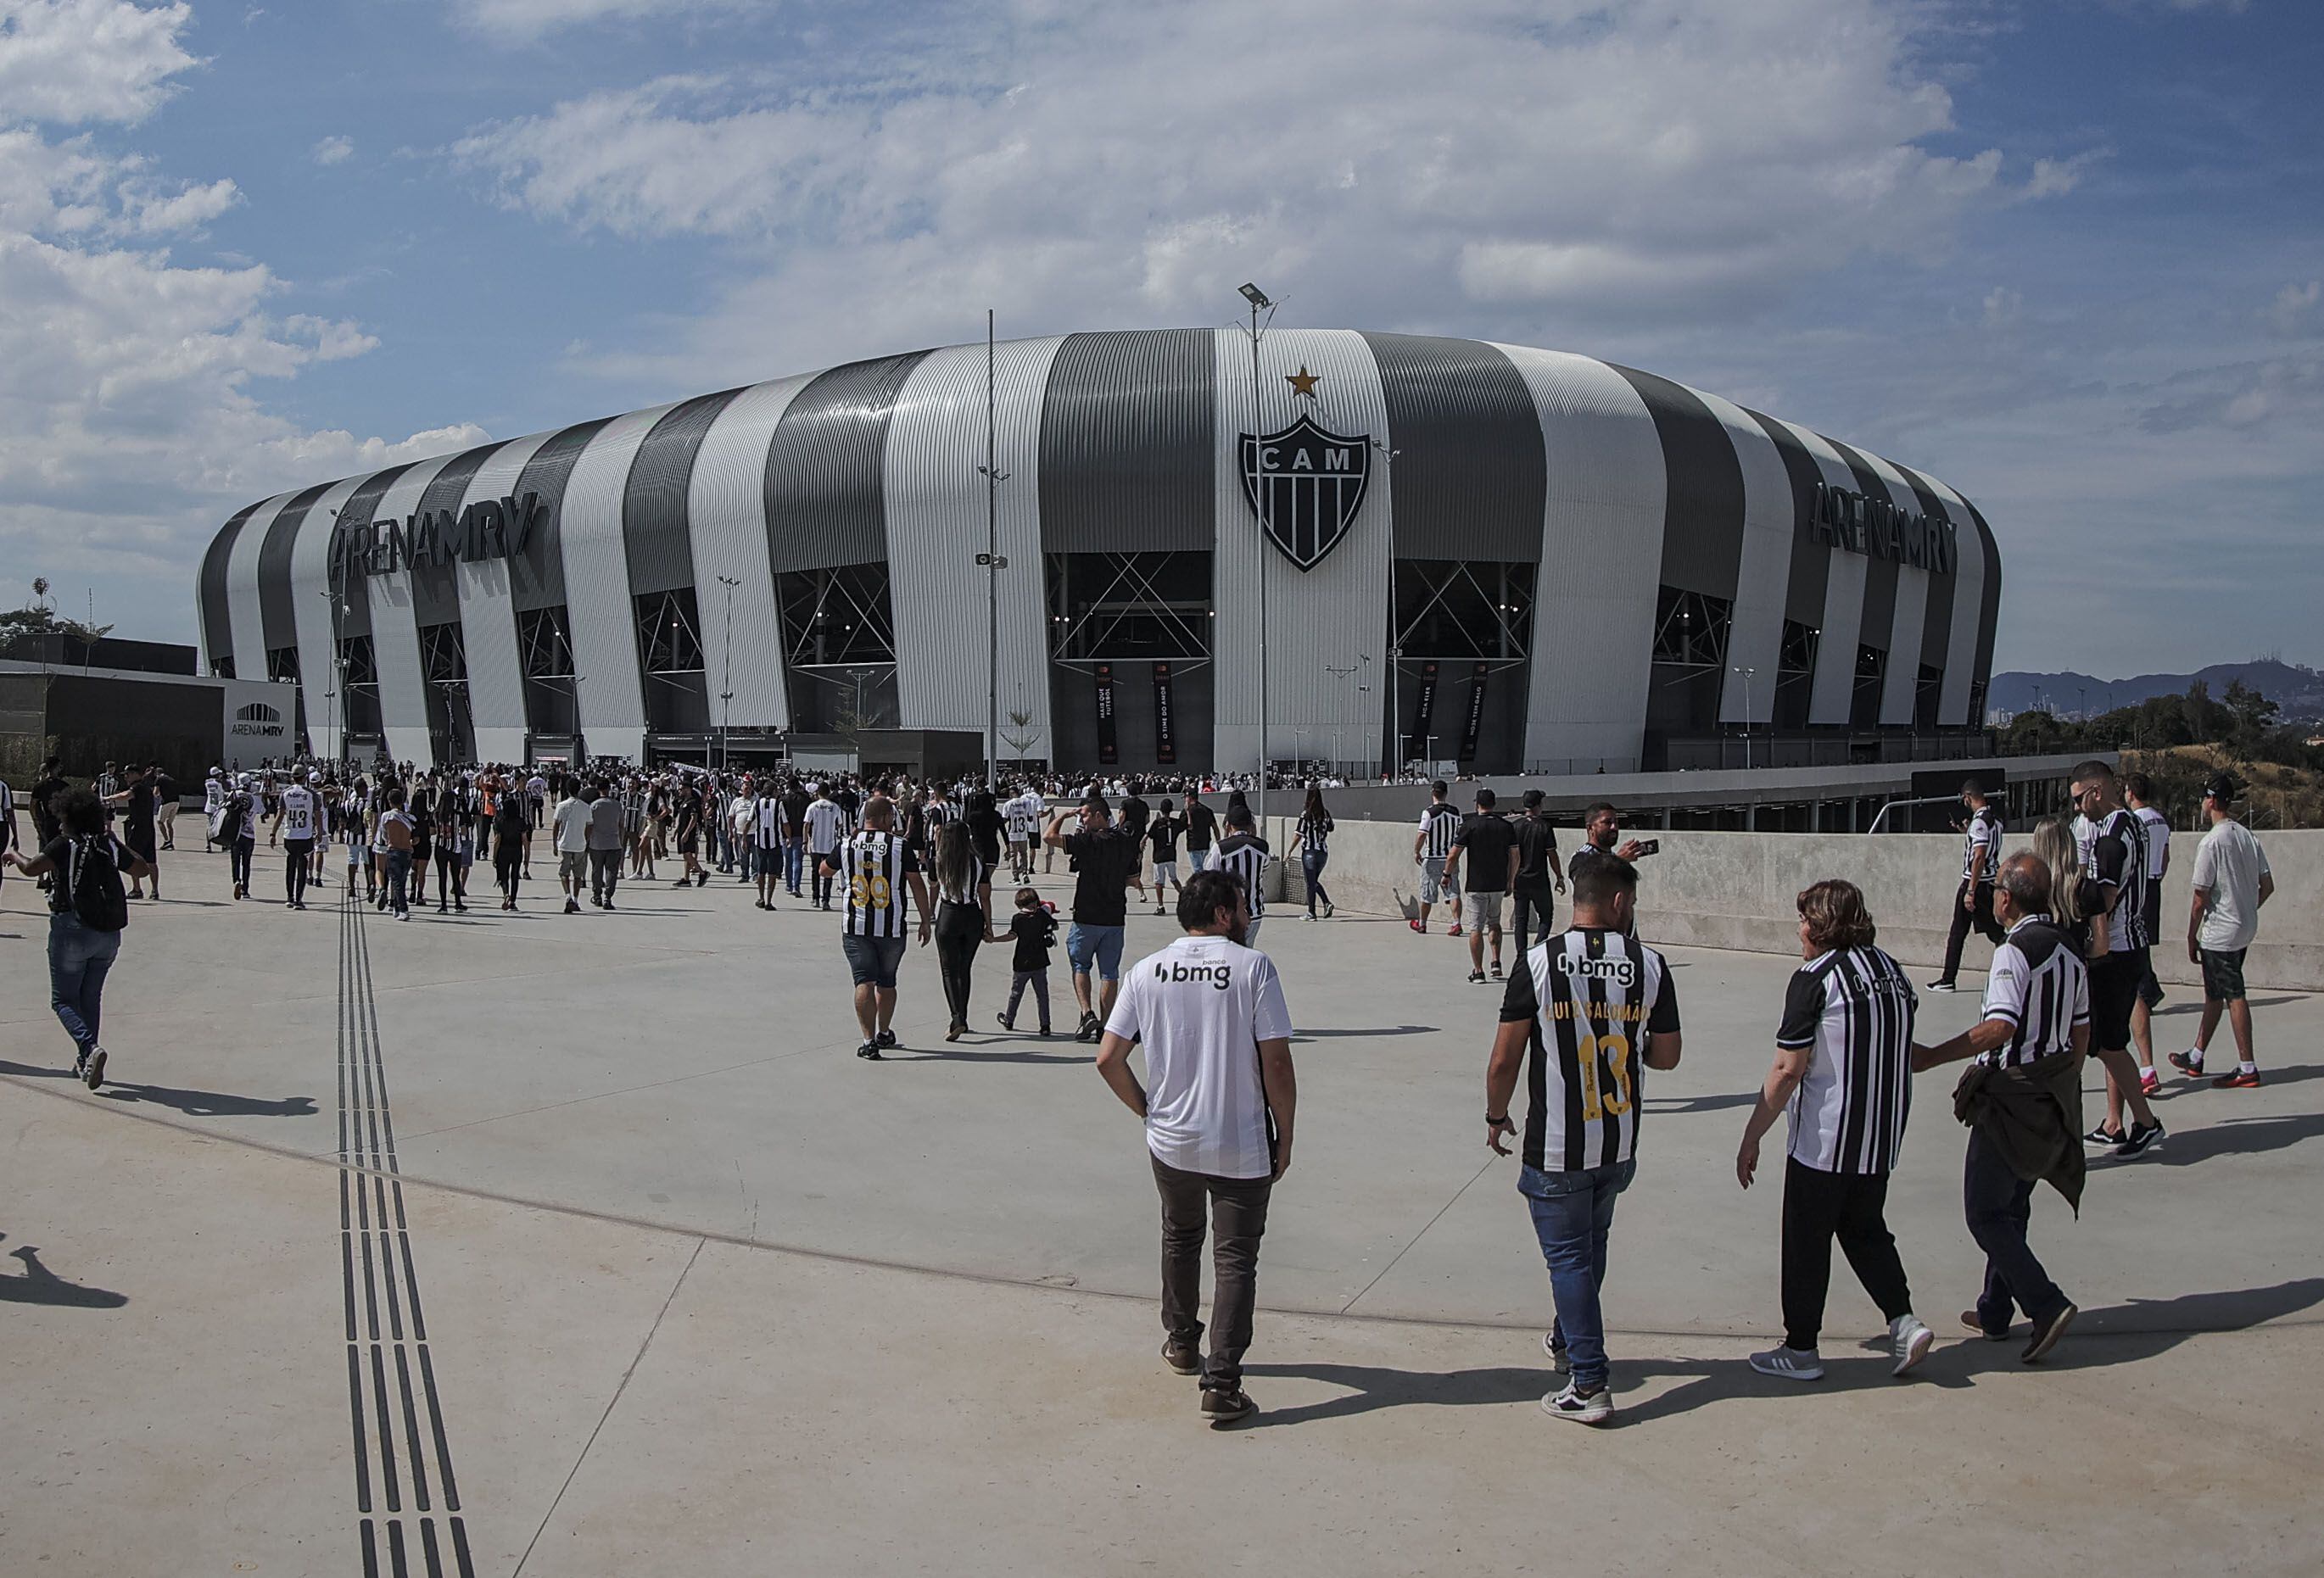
(1255, 296)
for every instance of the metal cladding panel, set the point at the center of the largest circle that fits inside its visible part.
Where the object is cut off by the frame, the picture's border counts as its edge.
(1333, 615)
(1810, 561)
(607, 681)
(1128, 428)
(1876, 623)
(488, 615)
(362, 505)
(395, 629)
(313, 610)
(278, 624)
(1989, 619)
(245, 615)
(726, 519)
(435, 588)
(1967, 602)
(1601, 547)
(1471, 478)
(1702, 505)
(1834, 689)
(1916, 597)
(1762, 574)
(653, 504)
(1937, 627)
(824, 489)
(536, 575)
(210, 607)
(1901, 591)
(936, 520)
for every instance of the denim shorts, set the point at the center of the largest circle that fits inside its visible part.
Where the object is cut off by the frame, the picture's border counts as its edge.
(872, 960)
(1098, 944)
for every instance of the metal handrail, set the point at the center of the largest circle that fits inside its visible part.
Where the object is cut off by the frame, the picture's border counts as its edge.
(1926, 800)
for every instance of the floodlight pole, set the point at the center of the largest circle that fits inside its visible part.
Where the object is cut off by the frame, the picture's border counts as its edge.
(726, 695)
(992, 561)
(1260, 497)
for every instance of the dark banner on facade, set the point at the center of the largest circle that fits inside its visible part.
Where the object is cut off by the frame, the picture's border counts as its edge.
(1425, 714)
(1108, 747)
(1475, 723)
(1165, 719)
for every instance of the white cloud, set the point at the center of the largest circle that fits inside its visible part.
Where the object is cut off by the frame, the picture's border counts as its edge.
(1524, 166)
(2294, 305)
(333, 151)
(2054, 178)
(72, 62)
(528, 19)
(130, 420)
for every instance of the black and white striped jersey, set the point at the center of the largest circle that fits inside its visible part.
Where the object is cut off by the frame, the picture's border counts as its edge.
(1851, 1009)
(1983, 833)
(2039, 984)
(1592, 996)
(978, 872)
(1245, 857)
(1315, 833)
(767, 824)
(1440, 824)
(873, 865)
(2117, 864)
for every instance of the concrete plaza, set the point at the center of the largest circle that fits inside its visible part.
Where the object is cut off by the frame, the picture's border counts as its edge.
(582, 1244)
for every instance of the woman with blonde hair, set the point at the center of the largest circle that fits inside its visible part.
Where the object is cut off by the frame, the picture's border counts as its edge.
(2054, 847)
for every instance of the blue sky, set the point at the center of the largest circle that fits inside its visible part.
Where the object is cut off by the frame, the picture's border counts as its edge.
(2066, 255)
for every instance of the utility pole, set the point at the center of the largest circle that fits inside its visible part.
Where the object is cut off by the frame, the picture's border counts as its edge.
(1747, 674)
(1257, 299)
(992, 561)
(726, 695)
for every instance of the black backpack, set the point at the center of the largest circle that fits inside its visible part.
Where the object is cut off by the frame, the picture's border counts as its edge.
(93, 881)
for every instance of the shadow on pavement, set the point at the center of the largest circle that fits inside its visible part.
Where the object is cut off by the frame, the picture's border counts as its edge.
(2196, 1005)
(1309, 1035)
(1700, 1104)
(969, 1054)
(196, 1104)
(2237, 1137)
(40, 1285)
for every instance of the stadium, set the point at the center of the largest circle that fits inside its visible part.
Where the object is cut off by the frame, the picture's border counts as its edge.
(1507, 558)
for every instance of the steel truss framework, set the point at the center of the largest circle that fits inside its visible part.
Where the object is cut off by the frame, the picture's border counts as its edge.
(1133, 616)
(1462, 610)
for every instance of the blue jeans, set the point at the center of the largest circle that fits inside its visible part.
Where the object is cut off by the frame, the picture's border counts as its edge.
(794, 861)
(1311, 866)
(1572, 1212)
(1094, 945)
(78, 960)
(1199, 860)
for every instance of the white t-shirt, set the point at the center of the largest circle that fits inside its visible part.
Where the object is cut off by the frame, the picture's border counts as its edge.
(824, 824)
(299, 811)
(2228, 865)
(572, 826)
(2158, 841)
(1202, 1007)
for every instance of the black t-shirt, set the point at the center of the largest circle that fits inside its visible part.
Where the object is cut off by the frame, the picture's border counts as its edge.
(984, 830)
(1162, 838)
(58, 854)
(1537, 852)
(1485, 839)
(794, 813)
(44, 790)
(1202, 826)
(1102, 865)
(1034, 929)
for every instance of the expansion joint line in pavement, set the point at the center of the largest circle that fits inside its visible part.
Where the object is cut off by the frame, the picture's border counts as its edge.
(402, 1491)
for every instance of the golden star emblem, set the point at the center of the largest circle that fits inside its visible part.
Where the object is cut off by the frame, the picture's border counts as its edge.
(1303, 380)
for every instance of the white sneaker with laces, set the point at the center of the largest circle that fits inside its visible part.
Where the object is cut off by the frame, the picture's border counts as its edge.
(1909, 1342)
(1595, 1408)
(1789, 1364)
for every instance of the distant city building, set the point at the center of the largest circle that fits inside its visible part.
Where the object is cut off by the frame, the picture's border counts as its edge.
(1565, 565)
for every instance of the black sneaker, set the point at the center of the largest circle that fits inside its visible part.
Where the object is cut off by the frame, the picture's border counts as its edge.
(886, 1038)
(1943, 987)
(868, 1051)
(2112, 1139)
(1185, 1358)
(1497, 970)
(93, 1076)
(572, 906)
(1476, 978)
(1002, 1020)
(1227, 1407)
(80, 1065)
(2141, 1137)
(1583, 1408)
(1559, 1359)
(2047, 1332)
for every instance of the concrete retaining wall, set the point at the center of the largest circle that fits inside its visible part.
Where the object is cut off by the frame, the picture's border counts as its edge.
(1736, 890)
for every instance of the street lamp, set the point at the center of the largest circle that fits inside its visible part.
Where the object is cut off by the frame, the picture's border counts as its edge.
(726, 696)
(1259, 303)
(993, 564)
(1747, 672)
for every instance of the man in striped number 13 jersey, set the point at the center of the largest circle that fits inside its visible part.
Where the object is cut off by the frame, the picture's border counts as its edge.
(877, 865)
(1588, 1009)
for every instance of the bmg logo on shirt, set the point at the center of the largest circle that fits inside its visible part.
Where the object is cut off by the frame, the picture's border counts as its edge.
(1622, 972)
(1177, 972)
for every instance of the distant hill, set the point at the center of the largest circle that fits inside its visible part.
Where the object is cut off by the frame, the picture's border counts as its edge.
(2299, 692)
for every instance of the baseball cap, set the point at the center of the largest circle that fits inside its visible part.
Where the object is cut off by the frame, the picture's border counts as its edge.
(2221, 787)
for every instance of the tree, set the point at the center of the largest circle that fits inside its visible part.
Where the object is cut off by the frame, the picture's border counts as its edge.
(1020, 735)
(36, 617)
(2253, 713)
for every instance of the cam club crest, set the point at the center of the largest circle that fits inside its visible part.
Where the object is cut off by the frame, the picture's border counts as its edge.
(1305, 485)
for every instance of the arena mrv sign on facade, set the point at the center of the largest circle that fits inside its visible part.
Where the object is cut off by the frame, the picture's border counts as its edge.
(488, 528)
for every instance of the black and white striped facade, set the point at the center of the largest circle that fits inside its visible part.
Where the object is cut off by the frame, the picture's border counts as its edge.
(1577, 562)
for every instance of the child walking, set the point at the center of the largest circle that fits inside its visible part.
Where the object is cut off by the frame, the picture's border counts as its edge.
(1035, 928)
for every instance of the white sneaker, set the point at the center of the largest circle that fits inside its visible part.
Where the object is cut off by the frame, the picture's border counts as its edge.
(1595, 1408)
(1789, 1364)
(1909, 1342)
